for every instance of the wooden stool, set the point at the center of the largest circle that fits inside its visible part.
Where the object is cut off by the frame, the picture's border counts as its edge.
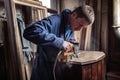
(89, 66)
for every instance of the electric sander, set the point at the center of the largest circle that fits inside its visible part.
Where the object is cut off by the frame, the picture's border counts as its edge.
(68, 56)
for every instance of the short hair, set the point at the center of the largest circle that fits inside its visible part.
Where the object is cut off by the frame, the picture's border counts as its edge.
(86, 12)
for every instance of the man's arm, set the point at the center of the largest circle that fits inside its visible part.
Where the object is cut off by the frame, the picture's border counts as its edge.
(39, 33)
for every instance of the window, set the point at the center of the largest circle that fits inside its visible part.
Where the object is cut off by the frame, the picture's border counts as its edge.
(46, 3)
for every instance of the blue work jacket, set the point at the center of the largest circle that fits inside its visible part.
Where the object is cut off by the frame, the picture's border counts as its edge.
(49, 35)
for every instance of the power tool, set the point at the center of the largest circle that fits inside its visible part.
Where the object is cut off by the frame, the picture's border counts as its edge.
(76, 53)
(68, 56)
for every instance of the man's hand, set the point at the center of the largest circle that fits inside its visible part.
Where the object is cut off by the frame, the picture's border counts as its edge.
(67, 46)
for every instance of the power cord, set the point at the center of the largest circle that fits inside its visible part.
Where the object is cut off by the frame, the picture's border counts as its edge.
(55, 64)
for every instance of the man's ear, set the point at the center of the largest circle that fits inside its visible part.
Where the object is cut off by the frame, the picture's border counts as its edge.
(74, 14)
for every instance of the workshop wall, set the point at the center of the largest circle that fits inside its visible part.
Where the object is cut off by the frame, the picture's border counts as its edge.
(72, 4)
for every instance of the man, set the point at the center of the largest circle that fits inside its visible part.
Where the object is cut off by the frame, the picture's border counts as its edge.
(53, 34)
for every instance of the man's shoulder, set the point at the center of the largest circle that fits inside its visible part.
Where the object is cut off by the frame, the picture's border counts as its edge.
(55, 17)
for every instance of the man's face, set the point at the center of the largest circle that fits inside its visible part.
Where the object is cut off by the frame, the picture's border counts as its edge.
(77, 23)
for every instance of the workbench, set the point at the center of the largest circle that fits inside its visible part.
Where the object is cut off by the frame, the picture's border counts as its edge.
(89, 66)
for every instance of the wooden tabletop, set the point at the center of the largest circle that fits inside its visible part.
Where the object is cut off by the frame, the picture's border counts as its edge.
(86, 57)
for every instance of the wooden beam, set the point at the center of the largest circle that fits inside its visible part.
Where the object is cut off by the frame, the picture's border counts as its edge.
(38, 3)
(27, 3)
(14, 66)
(115, 26)
(104, 26)
(82, 37)
(88, 38)
(98, 25)
(52, 11)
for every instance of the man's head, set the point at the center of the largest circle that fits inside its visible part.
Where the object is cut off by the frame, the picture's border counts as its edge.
(81, 17)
